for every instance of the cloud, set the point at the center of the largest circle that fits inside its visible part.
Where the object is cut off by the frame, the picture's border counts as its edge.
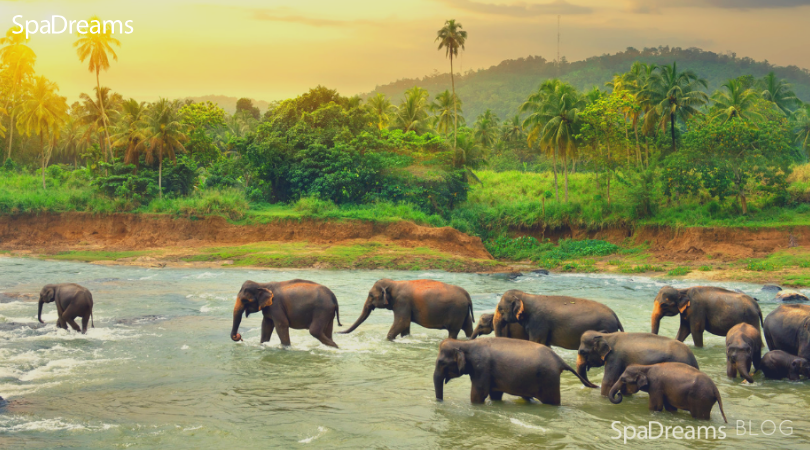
(647, 6)
(520, 9)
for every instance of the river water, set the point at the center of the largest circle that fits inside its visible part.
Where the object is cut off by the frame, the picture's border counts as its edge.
(159, 370)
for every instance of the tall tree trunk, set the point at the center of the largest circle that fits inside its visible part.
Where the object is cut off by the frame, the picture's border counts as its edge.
(10, 134)
(103, 119)
(556, 185)
(455, 110)
(608, 170)
(565, 173)
(647, 146)
(672, 128)
(638, 146)
(160, 173)
(42, 150)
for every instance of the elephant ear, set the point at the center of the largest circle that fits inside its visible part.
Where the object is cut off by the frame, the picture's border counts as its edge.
(684, 302)
(642, 381)
(518, 307)
(385, 296)
(461, 360)
(267, 298)
(602, 348)
(49, 294)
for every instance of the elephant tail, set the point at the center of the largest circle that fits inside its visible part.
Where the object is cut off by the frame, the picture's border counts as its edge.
(472, 316)
(337, 309)
(720, 403)
(761, 322)
(583, 380)
(93, 325)
(619, 322)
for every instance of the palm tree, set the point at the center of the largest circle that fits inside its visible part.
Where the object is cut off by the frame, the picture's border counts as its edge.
(735, 102)
(96, 114)
(512, 129)
(447, 110)
(451, 37)
(412, 114)
(801, 125)
(130, 131)
(561, 117)
(165, 134)
(779, 92)
(486, 129)
(381, 108)
(18, 60)
(95, 47)
(73, 141)
(676, 96)
(43, 113)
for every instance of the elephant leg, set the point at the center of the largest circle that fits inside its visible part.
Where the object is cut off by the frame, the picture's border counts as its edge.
(495, 396)
(453, 334)
(267, 329)
(318, 331)
(611, 375)
(478, 393)
(683, 332)
(401, 323)
(407, 332)
(731, 369)
(85, 321)
(329, 327)
(656, 401)
(697, 336)
(73, 324)
(284, 334)
(468, 328)
(668, 406)
(550, 392)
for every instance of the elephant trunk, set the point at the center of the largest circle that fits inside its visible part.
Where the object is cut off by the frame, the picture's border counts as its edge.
(657, 315)
(742, 367)
(615, 395)
(39, 311)
(582, 368)
(238, 309)
(367, 308)
(438, 384)
(475, 334)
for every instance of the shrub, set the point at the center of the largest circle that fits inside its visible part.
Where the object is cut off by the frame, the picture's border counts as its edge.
(679, 271)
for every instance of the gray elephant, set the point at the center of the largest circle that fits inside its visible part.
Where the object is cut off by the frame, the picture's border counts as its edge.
(431, 304)
(787, 328)
(672, 386)
(617, 351)
(743, 349)
(487, 323)
(777, 364)
(502, 365)
(554, 319)
(705, 308)
(72, 301)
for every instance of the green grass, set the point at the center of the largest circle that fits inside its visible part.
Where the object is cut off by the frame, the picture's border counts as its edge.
(643, 268)
(705, 268)
(88, 256)
(679, 271)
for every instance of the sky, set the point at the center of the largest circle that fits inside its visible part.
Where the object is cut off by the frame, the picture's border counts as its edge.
(277, 49)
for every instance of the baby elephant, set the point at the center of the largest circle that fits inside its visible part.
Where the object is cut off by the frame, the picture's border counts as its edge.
(672, 386)
(502, 365)
(778, 364)
(487, 323)
(72, 301)
(743, 348)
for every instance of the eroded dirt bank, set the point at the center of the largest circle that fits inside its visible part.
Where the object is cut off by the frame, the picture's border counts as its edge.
(51, 233)
(691, 244)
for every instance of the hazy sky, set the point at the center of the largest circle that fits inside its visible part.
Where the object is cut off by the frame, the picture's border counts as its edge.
(277, 49)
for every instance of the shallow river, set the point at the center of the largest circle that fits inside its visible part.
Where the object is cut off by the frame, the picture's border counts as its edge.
(159, 370)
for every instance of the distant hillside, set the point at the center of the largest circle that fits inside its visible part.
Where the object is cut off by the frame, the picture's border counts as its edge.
(228, 103)
(504, 87)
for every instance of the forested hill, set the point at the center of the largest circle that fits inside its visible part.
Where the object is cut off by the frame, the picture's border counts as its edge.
(504, 87)
(227, 103)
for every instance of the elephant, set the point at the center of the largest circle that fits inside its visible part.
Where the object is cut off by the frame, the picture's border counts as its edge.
(787, 328)
(486, 326)
(502, 365)
(672, 386)
(705, 308)
(296, 304)
(743, 348)
(72, 301)
(777, 364)
(555, 320)
(431, 304)
(616, 351)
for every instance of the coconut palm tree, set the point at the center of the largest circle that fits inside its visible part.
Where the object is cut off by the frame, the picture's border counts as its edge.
(43, 112)
(97, 114)
(130, 132)
(779, 92)
(18, 60)
(95, 47)
(73, 141)
(534, 123)
(512, 129)
(382, 109)
(801, 125)
(486, 129)
(165, 134)
(676, 94)
(451, 37)
(412, 114)
(560, 114)
(447, 111)
(735, 102)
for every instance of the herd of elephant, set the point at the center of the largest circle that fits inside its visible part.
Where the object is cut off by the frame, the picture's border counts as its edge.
(518, 361)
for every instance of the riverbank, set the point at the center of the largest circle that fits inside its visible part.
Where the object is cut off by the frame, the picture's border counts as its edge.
(758, 255)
